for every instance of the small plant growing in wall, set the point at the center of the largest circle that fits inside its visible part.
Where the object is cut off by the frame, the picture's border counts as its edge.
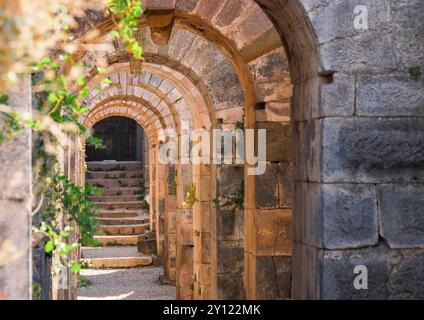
(141, 191)
(190, 198)
(36, 291)
(216, 202)
(235, 199)
(83, 281)
(415, 73)
(197, 233)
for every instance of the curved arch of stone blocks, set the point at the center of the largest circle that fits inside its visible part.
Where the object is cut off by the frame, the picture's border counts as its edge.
(136, 112)
(231, 70)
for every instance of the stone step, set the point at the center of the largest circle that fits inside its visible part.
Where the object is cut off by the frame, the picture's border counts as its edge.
(125, 229)
(120, 205)
(122, 221)
(117, 214)
(118, 240)
(120, 191)
(113, 174)
(114, 166)
(114, 257)
(121, 198)
(115, 183)
(124, 262)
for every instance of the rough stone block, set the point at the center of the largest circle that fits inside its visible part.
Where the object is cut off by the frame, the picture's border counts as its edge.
(159, 4)
(207, 9)
(205, 253)
(335, 19)
(227, 223)
(230, 287)
(285, 184)
(409, 33)
(273, 232)
(389, 95)
(337, 282)
(229, 177)
(227, 92)
(278, 141)
(373, 150)
(337, 98)
(308, 215)
(408, 275)
(305, 266)
(273, 278)
(308, 158)
(402, 215)
(186, 5)
(186, 258)
(266, 187)
(230, 12)
(353, 54)
(272, 84)
(349, 216)
(230, 257)
(157, 261)
(203, 57)
(147, 246)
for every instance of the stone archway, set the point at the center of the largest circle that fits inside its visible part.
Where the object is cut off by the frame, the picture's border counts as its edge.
(331, 114)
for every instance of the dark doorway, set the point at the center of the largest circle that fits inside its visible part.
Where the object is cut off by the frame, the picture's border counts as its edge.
(122, 138)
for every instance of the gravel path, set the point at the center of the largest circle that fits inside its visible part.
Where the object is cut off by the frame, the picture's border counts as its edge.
(125, 284)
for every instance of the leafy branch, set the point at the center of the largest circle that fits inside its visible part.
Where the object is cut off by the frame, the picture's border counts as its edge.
(127, 12)
(190, 198)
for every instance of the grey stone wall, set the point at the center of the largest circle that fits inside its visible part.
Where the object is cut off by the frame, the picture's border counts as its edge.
(360, 165)
(15, 203)
(358, 139)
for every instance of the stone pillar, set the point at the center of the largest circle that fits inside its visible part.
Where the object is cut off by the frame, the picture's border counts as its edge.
(203, 210)
(152, 188)
(228, 245)
(15, 204)
(184, 228)
(160, 205)
(268, 247)
(170, 225)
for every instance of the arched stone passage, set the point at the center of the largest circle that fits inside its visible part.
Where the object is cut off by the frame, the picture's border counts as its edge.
(122, 138)
(232, 70)
(329, 102)
(352, 110)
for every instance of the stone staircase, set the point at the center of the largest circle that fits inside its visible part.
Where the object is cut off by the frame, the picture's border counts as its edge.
(121, 216)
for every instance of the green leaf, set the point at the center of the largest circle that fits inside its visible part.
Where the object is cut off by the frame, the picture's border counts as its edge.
(76, 267)
(101, 70)
(4, 99)
(52, 97)
(115, 33)
(415, 73)
(43, 62)
(84, 92)
(49, 246)
(107, 81)
(81, 81)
